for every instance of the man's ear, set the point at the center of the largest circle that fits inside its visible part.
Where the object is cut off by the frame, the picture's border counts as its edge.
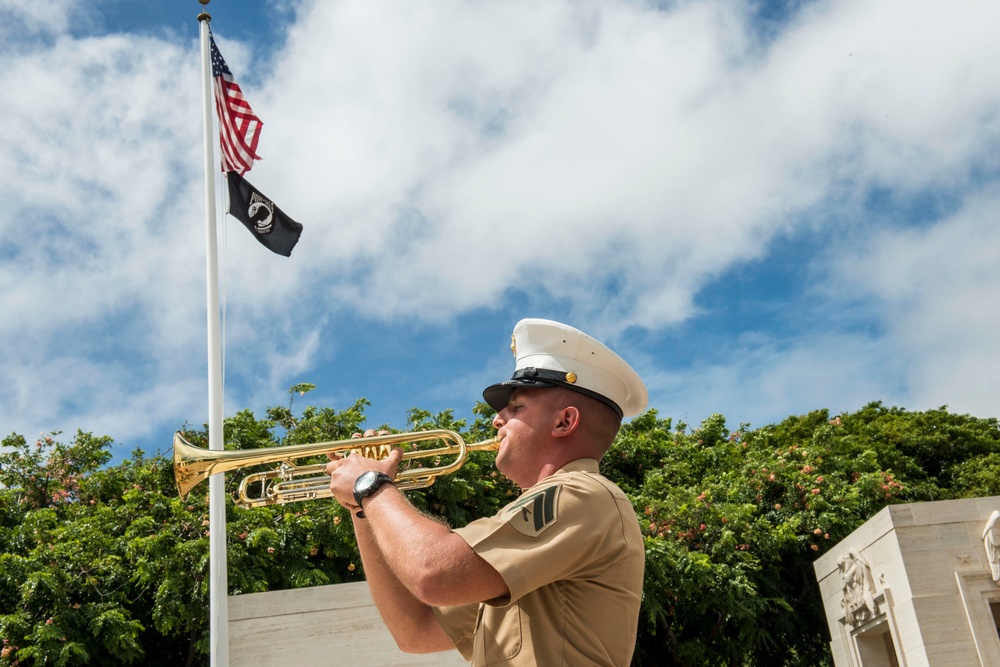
(567, 421)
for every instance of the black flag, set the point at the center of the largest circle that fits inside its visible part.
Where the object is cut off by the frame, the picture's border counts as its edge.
(269, 225)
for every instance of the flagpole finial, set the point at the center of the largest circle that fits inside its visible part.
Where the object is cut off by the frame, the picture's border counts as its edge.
(204, 16)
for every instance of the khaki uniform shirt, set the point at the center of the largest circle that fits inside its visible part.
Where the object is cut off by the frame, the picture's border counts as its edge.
(572, 554)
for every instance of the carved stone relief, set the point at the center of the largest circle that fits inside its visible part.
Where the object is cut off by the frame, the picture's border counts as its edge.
(991, 540)
(859, 588)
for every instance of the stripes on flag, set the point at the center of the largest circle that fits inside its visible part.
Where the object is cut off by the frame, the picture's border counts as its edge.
(239, 127)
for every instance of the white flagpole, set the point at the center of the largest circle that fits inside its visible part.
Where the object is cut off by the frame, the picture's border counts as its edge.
(218, 595)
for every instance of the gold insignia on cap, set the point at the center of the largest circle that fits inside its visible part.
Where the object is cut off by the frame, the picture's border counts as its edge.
(571, 377)
(513, 345)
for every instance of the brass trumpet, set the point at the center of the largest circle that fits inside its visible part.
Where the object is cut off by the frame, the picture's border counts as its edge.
(291, 483)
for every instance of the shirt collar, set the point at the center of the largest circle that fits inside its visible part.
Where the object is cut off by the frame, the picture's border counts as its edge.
(580, 465)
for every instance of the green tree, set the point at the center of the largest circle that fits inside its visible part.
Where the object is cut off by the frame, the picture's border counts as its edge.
(735, 519)
(63, 586)
(106, 565)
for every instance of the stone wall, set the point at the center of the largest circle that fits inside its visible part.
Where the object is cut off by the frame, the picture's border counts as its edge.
(325, 625)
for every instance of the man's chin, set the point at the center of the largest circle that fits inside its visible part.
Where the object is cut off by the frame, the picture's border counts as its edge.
(501, 460)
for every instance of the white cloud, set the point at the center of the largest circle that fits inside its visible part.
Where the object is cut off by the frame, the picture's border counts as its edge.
(97, 138)
(479, 149)
(762, 380)
(18, 17)
(935, 289)
(925, 300)
(607, 159)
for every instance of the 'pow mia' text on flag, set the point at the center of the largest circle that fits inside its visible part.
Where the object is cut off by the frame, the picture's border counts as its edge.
(269, 225)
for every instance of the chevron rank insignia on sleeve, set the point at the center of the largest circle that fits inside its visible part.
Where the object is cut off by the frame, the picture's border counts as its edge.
(533, 513)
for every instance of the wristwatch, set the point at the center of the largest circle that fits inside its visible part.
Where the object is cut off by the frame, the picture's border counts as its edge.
(366, 485)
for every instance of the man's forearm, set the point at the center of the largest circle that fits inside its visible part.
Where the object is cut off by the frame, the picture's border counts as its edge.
(431, 561)
(411, 622)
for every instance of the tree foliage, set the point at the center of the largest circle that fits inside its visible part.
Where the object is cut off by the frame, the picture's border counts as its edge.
(107, 565)
(735, 519)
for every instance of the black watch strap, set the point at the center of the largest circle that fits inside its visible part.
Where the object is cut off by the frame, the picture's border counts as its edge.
(366, 485)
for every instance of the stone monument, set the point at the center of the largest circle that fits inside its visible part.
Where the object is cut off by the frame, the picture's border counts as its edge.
(917, 585)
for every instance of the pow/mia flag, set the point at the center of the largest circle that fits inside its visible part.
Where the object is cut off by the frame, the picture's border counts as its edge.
(269, 225)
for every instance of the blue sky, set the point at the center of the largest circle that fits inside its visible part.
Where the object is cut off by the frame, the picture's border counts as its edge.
(766, 208)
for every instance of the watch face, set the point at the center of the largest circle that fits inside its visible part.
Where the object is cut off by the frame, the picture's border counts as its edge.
(367, 484)
(365, 481)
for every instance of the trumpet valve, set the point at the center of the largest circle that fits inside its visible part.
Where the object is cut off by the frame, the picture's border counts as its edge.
(377, 452)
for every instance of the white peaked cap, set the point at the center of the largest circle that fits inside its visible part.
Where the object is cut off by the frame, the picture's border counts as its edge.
(551, 354)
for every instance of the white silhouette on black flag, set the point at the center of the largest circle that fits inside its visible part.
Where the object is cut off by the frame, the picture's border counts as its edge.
(269, 225)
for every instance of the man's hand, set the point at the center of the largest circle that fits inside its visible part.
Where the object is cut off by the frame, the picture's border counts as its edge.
(344, 471)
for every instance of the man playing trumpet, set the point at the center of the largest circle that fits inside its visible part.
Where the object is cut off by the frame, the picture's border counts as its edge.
(554, 578)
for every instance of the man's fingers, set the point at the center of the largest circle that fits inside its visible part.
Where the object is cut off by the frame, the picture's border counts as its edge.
(395, 456)
(369, 433)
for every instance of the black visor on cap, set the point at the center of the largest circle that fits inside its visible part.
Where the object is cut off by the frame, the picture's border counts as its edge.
(498, 395)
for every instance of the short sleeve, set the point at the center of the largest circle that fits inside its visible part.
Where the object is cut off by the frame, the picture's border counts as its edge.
(558, 530)
(459, 622)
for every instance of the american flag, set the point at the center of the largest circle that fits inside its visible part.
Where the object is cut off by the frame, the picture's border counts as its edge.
(239, 127)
